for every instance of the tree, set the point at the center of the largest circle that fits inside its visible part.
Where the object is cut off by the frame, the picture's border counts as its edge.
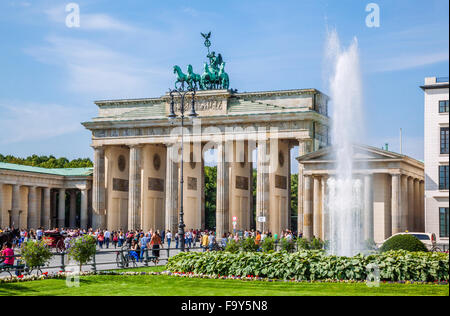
(210, 196)
(48, 161)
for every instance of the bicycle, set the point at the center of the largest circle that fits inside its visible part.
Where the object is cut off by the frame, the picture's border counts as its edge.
(124, 260)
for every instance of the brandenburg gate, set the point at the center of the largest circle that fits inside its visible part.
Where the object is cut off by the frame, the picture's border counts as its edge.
(137, 154)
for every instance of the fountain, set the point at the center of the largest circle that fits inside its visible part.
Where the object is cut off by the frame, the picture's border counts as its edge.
(345, 192)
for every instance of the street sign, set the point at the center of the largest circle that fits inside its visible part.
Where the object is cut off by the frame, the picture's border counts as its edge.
(261, 219)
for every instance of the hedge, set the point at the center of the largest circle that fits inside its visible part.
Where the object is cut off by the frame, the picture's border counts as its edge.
(403, 242)
(315, 265)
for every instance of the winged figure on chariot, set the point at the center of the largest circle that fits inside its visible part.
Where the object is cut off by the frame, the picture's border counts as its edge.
(213, 76)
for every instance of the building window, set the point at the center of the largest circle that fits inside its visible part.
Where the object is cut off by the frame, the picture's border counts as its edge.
(443, 222)
(443, 106)
(444, 140)
(443, 177)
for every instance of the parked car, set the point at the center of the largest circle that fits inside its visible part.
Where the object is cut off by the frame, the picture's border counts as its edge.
(429, 239)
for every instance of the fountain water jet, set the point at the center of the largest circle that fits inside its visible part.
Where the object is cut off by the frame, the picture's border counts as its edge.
(345, 191)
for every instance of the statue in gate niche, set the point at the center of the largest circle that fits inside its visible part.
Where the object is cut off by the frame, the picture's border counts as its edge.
(213, 76)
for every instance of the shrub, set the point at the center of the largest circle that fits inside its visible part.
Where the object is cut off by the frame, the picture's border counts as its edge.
(248, 244)
(35, 254)
(316, 265)
(82, 249)
(232, 246)
(287, 245)
(404, 242)
(268, 245)
(316, 244)
(303, 244)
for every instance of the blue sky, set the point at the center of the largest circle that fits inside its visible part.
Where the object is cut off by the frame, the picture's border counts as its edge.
(51, 74)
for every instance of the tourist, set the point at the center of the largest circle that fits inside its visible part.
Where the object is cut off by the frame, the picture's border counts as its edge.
(7, 255)
(134, 250)
(177, 238)
(115, 239)
(121, 239)
(212, 240)
(205, 241)
(155, 243)
(107, 235)
(100, 239)
(144, 245)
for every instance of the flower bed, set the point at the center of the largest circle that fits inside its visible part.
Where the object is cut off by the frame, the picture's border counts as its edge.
(316, 265)
(64, 275)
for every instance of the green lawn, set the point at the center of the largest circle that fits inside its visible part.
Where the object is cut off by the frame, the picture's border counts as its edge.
(169, 285)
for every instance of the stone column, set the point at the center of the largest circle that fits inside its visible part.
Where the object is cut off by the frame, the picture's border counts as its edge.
(422, 206)
(15, 206)
(411, 210)
(46, 214)
(368, 208)
(222, 208)
(84, 209)
(262, 185)
(62, 208)
(98, 190)
(304, 147)
(53, 209)
(134, 193)
(73, 209)
(325, 213)
(33, 218)
(405, 207)
(396, 204)
(172, 188)
(307, 208)
(416, 217)
(316, 207)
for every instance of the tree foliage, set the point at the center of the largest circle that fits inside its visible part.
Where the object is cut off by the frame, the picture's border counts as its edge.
(49, 162)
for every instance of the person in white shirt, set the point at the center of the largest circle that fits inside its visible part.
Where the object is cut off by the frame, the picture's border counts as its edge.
(169, 238)
(107, 235)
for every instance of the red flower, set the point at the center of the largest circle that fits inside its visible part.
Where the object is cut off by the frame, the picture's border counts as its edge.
(20, 276)
(45, 273)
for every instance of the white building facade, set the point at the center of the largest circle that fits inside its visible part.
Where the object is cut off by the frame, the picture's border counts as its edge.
(437, 157)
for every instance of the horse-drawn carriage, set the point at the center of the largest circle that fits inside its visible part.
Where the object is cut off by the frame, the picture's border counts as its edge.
(55, 240)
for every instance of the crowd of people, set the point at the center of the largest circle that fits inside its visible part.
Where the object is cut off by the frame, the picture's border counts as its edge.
(139, 241)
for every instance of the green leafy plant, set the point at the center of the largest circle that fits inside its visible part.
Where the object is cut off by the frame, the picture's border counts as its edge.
(316, 244)
(232, 246)
(403, 242)
(268, 245)
(303, 244)
(287, 245)
(316, 265)
(248, 244)
(82, 249)
(35, 254)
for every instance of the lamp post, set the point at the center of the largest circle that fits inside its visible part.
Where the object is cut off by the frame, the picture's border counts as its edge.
(172, 116)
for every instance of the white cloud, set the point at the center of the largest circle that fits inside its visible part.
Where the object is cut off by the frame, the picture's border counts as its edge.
(408, 62)
(100, 71)
(90, 22)
(31, 121)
